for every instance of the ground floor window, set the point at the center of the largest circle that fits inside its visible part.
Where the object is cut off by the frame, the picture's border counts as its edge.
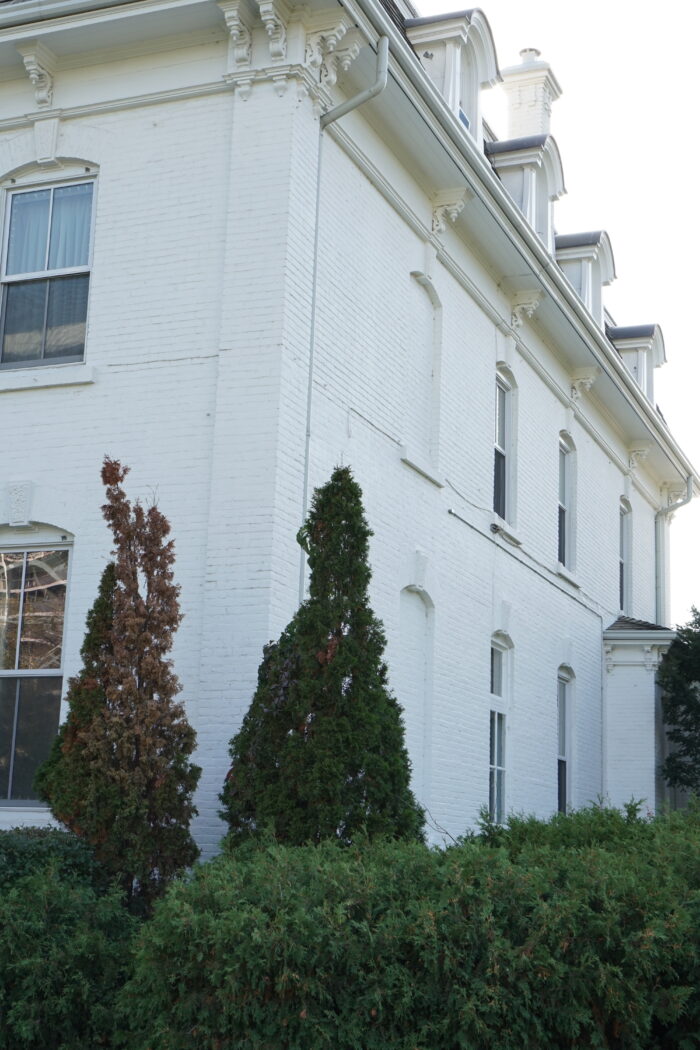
(497, 767)
(32, 611)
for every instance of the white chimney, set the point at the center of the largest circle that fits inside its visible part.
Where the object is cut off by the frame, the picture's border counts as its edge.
(531, 89)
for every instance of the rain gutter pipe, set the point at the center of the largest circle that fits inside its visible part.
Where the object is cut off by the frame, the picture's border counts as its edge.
(330, 117)
(661, 574)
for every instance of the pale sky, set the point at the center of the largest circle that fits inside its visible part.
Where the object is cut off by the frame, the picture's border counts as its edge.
(625, 128)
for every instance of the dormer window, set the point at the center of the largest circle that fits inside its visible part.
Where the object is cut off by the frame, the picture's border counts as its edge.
(587, 261)
(641, 348)
(530, 169)
(458, 53)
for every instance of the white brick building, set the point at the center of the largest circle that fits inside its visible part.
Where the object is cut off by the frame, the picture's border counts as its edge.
(212, 276)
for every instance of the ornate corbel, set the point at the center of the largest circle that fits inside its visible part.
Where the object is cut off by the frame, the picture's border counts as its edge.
(581, 382)
(447, 205)
(609, 658)
(238, 23)
(638, 453)
(40, 64)
(274, 27)
(523, 307)
(20, 499)
(325, 55)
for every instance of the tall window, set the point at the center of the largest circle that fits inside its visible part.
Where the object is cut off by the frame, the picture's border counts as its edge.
(562, 748)
(624, 554)
(32, 605)
(497, 737)
(501, 438)
(45, 274)
(565, 523)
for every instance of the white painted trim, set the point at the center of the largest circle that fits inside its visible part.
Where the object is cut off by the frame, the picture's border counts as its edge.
(77, 374)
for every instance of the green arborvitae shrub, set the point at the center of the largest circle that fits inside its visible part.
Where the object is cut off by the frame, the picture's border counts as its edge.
(28, 851)
(65, 952)
(679, 679)
(119, 775)
(321, 751)
(386, 945)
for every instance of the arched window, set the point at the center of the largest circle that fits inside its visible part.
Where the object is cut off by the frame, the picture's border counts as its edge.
(625, 548)
(565, 679)
(504, 445)
(33, 584)
(567, 487)
(500, 680)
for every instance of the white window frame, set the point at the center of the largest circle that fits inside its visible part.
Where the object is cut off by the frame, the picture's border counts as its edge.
(42, 181)
(624, 591)
(500, 672)
(50, 544)
(503, 447)
(566, 501)
(565, 709)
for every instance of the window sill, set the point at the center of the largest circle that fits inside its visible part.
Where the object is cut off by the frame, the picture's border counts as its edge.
(416, 463)
(567, 574)
(501, 528)
(46, 376)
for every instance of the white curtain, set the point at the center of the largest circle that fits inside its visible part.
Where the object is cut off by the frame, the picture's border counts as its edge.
(28, 229)
(70, 226)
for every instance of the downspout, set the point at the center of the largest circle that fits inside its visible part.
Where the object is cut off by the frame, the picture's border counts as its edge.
(659, 546)
(329, 118)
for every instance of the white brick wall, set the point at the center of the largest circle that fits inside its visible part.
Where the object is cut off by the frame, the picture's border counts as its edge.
(199, 331)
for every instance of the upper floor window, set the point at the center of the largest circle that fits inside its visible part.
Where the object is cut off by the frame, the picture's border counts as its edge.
(565, 519)
(500, 454)
(45, 274)
(624, 554)
(32, 607)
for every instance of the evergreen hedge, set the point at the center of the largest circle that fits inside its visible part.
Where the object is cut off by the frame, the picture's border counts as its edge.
(558, 935)
(64, 955)
(27, 851)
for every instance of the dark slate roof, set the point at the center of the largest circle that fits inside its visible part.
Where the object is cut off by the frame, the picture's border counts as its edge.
(513, 145)
(577, 240)
(395, 15)
(411, 22)
(626, 623)
(633, 331)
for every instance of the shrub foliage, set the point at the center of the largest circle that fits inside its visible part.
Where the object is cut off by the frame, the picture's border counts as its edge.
(119, 774)
(321, 752)
(386, 945)
(679, 678)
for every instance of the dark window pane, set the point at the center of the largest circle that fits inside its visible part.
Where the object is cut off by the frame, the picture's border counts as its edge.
(562, 536)
(499, 484)
(29, 219)
(622, 585)
(24, 311)
(70, 226)
(11, 566)
(37, 724)
(65, 320)
(561, 776)
(42, 613)
(8, 699)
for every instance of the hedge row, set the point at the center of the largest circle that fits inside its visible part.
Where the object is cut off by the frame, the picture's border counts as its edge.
(580, 932)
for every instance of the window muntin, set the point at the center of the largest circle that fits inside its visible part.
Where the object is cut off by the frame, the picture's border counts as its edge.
(497, 766)
(32, 611)
(500, 463)
(45, 274)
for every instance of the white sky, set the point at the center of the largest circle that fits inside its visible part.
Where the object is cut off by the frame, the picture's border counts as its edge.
(625, 127)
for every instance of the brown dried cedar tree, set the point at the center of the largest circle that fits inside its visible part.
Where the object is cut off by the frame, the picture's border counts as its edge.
(119, 774)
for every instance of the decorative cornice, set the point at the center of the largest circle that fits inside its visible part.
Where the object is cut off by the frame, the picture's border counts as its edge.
(238, 23)
(275, 27)
(40, 64)
(581, 382)
(447, 204)
(326, 57)
(523, 307)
